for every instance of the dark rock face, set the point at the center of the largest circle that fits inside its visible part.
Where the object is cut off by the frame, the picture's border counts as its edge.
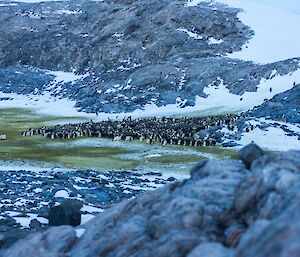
(23, 80)
(67, 213)
(270, 190)
(169, 221)
(250, 153)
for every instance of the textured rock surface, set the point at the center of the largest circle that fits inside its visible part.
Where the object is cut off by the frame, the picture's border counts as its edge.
(136, 52)
(169, 221)
(52, 243)
(279, 237)
(284, 106)
(223, 210)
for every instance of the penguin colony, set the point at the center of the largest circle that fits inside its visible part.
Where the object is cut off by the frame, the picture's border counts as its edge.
(175, 131)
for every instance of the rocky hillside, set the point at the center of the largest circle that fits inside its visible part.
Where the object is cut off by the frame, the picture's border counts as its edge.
(284, 106)
(226, 208)
(133, 53)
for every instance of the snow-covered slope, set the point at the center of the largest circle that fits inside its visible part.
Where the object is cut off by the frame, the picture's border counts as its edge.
(275, 24)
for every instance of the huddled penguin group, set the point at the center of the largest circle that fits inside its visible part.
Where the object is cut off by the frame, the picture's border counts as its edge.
(194, 131)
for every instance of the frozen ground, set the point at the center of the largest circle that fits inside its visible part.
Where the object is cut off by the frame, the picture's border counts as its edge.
(269, 134)
(277, 137)
(32, 191)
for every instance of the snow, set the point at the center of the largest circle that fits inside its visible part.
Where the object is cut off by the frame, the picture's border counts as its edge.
(67, 12)
(28, 166)
(62, 194)
(4, 5)
(191, 34)
(273, 138)
(86, 217)
(91, 209)
(213, 41)
(43, 104)
(275, 26)
(219, 100)
(79, 232)
(61, 76)
(25, 221)
(38, 190)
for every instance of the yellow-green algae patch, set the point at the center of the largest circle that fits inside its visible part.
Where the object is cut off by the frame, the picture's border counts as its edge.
(92, 153)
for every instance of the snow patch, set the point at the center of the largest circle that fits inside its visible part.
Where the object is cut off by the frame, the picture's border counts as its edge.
(272, 138)
(276, 30)
(62, 194)
(191, 34)
(213, 41)
(79, 232)
(61, 76)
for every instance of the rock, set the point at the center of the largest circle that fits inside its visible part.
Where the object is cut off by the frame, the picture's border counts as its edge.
(211, 250)
(250, 153)
(276, 238)
(271, 187)
(254, 212)
(135, 50)
(283, 106)
(230, 144)
(35, 224)
(169, 221)
(9, 235)
(52, 243)
(67, 213)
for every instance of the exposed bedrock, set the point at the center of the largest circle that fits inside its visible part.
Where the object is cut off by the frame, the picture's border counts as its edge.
(224, 209)
(135, 52)
(284, 106)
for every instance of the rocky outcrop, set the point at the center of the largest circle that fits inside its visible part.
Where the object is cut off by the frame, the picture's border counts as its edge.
(223, 210)
(134, 53)
(282, 107)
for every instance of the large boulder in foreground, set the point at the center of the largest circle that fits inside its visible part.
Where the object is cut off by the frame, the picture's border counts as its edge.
(223, 210)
